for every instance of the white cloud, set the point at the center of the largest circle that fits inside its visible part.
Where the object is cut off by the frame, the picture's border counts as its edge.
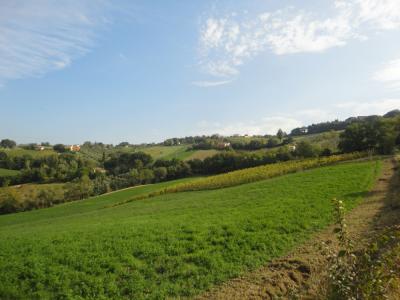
(210, 83)
(227, 42)
(389, 74)
(268, 125)
(382, 14)
(40, 36)
(271, 124)
(378, 107)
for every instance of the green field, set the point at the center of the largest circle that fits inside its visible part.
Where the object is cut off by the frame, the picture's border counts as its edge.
(7, 172)
(34, 153)
(175, 245)
(201, 154)
(323, 140)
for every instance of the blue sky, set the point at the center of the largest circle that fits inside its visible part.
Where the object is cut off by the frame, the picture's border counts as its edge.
(143, 71)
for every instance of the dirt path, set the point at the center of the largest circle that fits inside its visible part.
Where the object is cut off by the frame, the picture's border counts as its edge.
(302, 273)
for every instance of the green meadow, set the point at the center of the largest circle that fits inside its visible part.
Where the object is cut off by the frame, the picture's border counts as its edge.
(175, 245)
(7, 173)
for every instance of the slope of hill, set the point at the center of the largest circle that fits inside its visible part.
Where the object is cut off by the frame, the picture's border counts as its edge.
(169, 246)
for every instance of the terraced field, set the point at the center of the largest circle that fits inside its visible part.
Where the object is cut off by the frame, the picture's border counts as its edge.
(175, 245)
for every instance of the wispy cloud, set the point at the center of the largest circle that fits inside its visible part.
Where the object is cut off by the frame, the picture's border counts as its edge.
(210, 83)
(227, 42)
(389, 74)
(41, 36)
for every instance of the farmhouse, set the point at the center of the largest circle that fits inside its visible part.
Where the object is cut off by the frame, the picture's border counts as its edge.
(39, 148)
(74, 148)
(304, 130)
(292, 148)
(223, 145)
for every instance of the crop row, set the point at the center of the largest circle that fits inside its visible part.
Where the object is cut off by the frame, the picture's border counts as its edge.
(248, 175)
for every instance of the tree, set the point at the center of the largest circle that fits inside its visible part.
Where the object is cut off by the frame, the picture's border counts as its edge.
(146, 176)
(305, 149)
(85, 187)
(272, 142)
(60, 148)
(46, 198)
(377, 135)
(280, 134)
(7, 143)
(9, 201)
(160, 173)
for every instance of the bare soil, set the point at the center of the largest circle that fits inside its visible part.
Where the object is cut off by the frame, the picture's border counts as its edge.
(302, 274)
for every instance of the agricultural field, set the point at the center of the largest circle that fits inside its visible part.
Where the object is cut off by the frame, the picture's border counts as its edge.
(201, 154)
(21, 152)
(174, 245)
(177, 152)
(164, 152)
(323, 140)
(7, 172)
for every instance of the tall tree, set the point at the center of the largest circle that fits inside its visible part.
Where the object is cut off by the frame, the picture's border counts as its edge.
(7, 143)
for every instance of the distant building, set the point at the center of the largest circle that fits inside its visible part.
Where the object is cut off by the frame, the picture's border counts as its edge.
(39, 148)
(304, 130)
(224, 145)
(74, 148)
(292, 147)
(99, 170)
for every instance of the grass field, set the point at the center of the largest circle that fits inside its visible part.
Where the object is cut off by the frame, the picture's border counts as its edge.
(324, 140)
(7, 172)
(165, 152)
(175, 245)
(201, 154)
(178, 152)
(20, 152)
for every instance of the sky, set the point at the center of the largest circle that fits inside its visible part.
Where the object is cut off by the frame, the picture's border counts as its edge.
(143, 71)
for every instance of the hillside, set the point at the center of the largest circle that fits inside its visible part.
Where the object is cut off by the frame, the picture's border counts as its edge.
(173, 245)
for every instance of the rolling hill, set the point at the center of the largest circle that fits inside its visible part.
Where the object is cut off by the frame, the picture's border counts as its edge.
(175, 245)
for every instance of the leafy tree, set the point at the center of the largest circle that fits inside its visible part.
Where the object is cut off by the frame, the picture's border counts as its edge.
(280, 134)
(272, 142)
(9, 201)
(160, 173)
(376, 135)
(46, 198)
(85, 187)
(146, 176)
(101, 185)
(60, 148)
(7, 143)
(305, 149)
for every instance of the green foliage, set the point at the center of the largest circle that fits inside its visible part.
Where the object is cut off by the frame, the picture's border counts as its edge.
(365, 273)
(9, 200)
(174, 246)
(305, 149)
(60, 148)
(378, 135)
(7, 143)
